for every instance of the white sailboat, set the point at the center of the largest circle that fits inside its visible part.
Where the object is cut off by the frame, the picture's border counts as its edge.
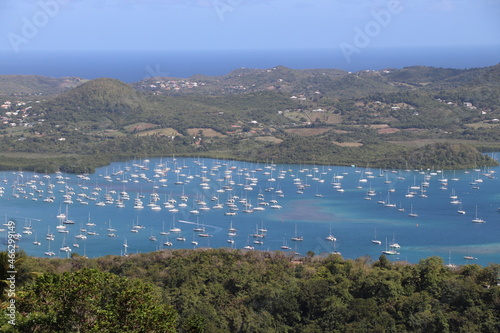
(49, 252)
(477, 219)
(330, 237)
(389, 252)
(285, 245)
(174, 228)
(297, 238)
(412, 213)
(393, 244)
(64, 247)
(375, 240)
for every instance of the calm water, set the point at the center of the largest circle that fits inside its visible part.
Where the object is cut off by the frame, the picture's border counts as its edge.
(311, 207)
(135, 66)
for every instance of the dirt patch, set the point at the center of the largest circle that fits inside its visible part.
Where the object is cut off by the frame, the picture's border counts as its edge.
(307, 131)
(348, 144)
(207, 132)
(387, 130)
(378, 126)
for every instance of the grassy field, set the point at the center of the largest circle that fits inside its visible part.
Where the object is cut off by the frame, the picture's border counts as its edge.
(307, 131)
(482, 125)
(348, 144)
(160, 131)
(270, 139)
(139, 127)
(207, 132)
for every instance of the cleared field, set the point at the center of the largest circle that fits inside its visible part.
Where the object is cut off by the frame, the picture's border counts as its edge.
(307, 131)
(331, 118)
(482, 125)
(347, 144)
(139, 127)
(160, 131)
(208, 132)
(112, 133)
(378, 126)
(387, 130)
(270, 139)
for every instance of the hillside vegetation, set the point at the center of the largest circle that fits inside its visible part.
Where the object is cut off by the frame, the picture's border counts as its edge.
(280, 114)
(208, 290)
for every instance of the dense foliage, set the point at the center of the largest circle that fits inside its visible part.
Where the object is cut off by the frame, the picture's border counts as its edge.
(239, 291)
(318, 116)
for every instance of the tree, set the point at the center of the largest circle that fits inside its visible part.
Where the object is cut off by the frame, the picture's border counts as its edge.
(92, 301)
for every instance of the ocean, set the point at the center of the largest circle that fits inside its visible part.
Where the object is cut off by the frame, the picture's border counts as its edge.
(299, 206)
(133, 66)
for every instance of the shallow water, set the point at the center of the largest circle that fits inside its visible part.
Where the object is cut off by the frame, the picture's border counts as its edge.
(311, 212)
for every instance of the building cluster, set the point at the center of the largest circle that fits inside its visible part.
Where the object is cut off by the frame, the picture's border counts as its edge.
(15, 114)
(175, 85)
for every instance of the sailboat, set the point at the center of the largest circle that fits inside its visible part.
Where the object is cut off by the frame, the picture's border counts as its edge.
(450, 265)
(335, 250)
(163, 232)
(174, 228)
(152, 237)
(64, 247)
(125, 247)
(412, 213)
(231, 231)
(49, 252)
(36, 242)
(50, 236)
(297, 238)
(198, 227)
(330, 237)
(285, 245)
(168, 242)
(61, 215)
(477, 219)
(394, 245)
(389, 252)
(375, 240)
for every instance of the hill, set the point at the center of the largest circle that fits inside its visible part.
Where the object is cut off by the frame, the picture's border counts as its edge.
(36, 85)
(327, 82)
(99, 100)
(281, 114)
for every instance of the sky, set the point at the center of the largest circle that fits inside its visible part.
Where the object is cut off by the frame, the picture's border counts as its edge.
(145, 25)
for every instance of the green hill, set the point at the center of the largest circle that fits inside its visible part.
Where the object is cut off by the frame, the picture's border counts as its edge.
(36, 84)
(99, 100)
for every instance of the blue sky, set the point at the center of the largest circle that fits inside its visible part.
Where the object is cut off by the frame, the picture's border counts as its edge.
(27, 25)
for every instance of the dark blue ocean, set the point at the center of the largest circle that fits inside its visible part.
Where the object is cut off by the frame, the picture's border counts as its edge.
(132, 66)
(308, 203)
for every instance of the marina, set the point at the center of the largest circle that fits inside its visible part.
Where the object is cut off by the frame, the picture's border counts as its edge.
(172, 203)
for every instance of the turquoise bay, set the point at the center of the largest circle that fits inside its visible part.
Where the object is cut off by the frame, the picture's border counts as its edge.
(298, 205)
